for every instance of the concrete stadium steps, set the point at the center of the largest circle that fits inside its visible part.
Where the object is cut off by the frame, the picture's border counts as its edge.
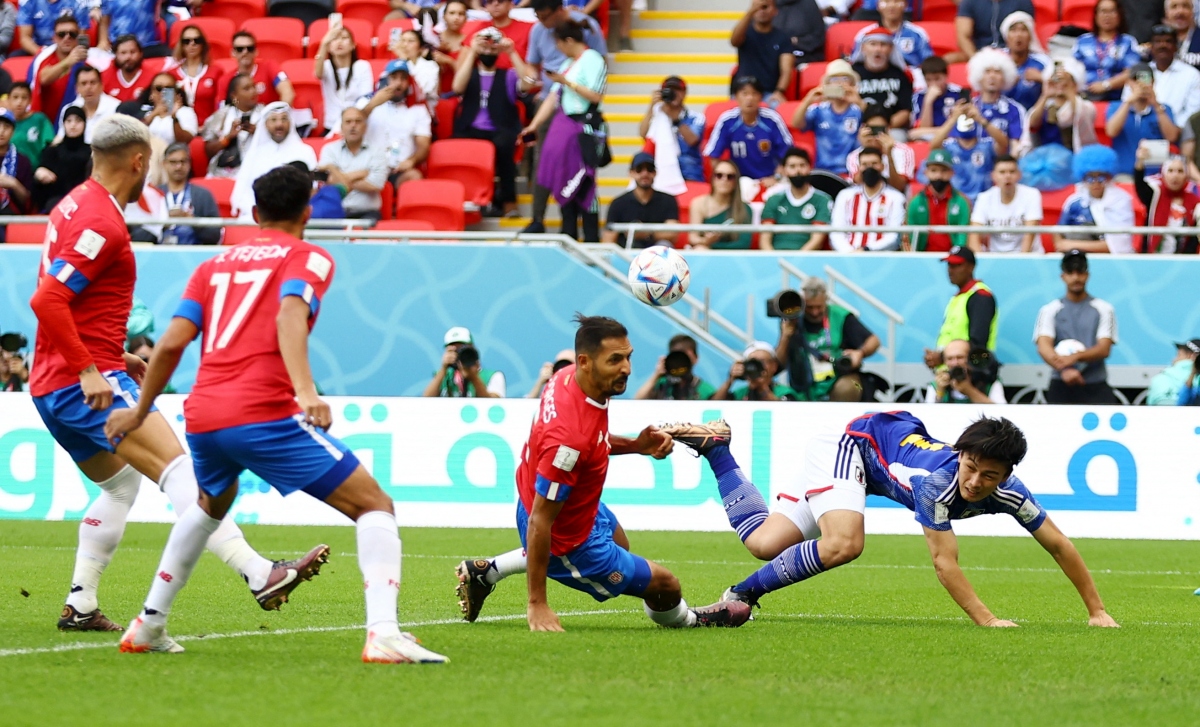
(643, 84)
(722, 20)
(717, 61)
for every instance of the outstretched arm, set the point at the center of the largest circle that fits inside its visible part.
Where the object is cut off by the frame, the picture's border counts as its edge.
(537, 558)
(1071, 562)
(943, 548)
(650, 442)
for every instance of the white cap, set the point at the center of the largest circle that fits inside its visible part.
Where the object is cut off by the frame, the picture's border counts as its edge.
(457, 334)
(759, 346)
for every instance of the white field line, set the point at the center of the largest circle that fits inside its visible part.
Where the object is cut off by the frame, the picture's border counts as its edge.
(83, 645)
(961, 619)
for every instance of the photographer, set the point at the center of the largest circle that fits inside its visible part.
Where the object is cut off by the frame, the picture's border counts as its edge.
(563, 359)
(965, 377)
(757, 368)
(669, 124)
(14, 373)
(673, 378)
(460, 373)
(830, 349)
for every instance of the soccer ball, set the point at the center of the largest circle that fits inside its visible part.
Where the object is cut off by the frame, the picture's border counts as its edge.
(659, 276)
(1069, 347)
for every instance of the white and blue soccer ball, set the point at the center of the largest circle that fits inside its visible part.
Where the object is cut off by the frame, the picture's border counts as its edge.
(659, 276)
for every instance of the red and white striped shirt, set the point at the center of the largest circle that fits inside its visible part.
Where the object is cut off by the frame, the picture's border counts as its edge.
(903, 154)
(854, 207)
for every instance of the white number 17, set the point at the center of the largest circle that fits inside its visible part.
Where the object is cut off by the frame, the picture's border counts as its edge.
(256, 279)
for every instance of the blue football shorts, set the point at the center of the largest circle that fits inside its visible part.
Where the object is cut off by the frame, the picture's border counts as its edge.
(78, 428)
(600, 568)
(289, 454)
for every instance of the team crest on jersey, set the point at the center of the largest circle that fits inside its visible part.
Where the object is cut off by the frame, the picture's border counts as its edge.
(89, 244)
(1028, 512)
(977, 159)
(906, 45)
(565, 458)
(809, 211)
(616, 577)
(33, 134)
(850, 125)
(859, 476)
(764, 145)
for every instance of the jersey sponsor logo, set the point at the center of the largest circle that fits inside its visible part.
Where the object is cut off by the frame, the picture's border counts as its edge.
(565, 458)
(916, 440)
(89, 244)
(318, 265)
(548, 410)
(1028, 512)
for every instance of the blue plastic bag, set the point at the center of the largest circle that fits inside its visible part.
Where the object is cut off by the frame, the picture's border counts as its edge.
(1047, 168)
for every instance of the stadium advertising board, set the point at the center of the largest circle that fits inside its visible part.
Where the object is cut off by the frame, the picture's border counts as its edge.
(1113, 472)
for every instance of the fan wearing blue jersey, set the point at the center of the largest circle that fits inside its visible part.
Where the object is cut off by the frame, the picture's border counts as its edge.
(974, 153)
(893, 456)
(756, 138)
(833, 112)
(992, 73)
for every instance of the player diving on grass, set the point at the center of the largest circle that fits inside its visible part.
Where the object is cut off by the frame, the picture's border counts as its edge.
(891, 455)
(81, 374)
(255, 407)
(567, 534)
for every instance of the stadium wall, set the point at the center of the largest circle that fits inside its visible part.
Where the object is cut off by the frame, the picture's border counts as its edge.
(1105, 472)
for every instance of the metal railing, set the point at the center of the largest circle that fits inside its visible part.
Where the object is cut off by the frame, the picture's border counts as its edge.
(631, 228)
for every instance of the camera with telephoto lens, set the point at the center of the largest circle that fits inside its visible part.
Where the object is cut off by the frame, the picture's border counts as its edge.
(468, 357)
(752, 369)
(843, 365)
(786, 304)
(13, 342)
(982, 368)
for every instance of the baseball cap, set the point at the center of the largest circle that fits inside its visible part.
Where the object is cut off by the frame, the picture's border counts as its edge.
(396, 66)
(1074, 260)
(959, 255)
(675, 82)
(6, 115)
(1192, 345)
(941, 157)
(457, 334)
(642, 158)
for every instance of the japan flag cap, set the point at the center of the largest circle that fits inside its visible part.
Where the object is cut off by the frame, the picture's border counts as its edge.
(458, 334)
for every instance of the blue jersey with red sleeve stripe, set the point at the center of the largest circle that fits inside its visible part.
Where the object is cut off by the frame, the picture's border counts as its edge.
(905, 464)
(86, 249)
(566, 459)
(234, 299)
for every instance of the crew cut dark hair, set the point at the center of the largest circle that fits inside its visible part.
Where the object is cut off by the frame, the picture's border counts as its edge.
(997, 439)
(282, 194)
(593, 330)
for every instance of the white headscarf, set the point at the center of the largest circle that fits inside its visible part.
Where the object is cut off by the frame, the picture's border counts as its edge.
(1023, 18)
(262, 155)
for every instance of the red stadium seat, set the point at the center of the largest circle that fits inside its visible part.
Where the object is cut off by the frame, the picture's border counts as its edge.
(279, 39)
(368, 11)
(199, 158)
(443, 123)
(1048, 11)
(712, 112)
(694, 190)
(942, 36)
(317, 143)
(18, 68)
(1046, 31)
(839, 37)
(437, 201)
(937, 10)
(408, 225)
(808, 78)
(383, 35)
(222, 189)
(958, 74)
(377, 67)
(1101, 117)
(601, 16)
(920, 152)
(218, 31)
(1052, 206)
(25, 234)
(470, 161)
(1078, 12)
(239, 11)
(308, 93)
(387, 197)
(362, 32)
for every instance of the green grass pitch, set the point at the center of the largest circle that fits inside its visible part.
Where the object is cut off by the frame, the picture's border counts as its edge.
(876, 642)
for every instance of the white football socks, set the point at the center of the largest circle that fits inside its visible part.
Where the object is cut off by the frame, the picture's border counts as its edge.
(99, 534)
(379, 560)
(505, 565)
(178, 482)
(679, 617)
(184, 548)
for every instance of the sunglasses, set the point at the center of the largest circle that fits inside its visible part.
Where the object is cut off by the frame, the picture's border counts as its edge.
(245, 48)
(724, 175)
(1095, 177)
(60, 34)
(192, 41)
(160, 89)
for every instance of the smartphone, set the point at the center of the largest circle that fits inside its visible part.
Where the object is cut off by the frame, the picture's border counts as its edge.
(1159, 150)
(395, 36)
(168, 97)
(529, 138)
(84, 40)
(335, 20)
(246, 119)
(833, 91)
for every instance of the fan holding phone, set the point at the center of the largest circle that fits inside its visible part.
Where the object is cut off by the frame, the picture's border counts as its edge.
(1141, 118)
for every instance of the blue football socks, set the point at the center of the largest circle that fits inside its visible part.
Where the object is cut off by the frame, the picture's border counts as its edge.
(793, 565)
(744, 504)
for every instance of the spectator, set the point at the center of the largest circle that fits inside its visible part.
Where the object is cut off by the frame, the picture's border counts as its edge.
(824, 349)
(461, 373)
(143, 347)
(195, 71)
(722, 206)
(764, 51)
(175, 124)
(899, 160)
(450, 41)
(991, 73)
(562, 359)
(938, 203)
(755, 137)
(228, 132)
(1007, 204)
(129, 75)
(833, 112)
(89, 96)
(16, 175)
(1180, 15)
(1107, 53)
(65, 164)
(642, 204)
(1060, 116)
(489, 109)
(1033, 65)
(799, 204)
(1170, 201)
(757, 369)
(424, 72)
(971, 314)
(139, 18)
(802, 21)
(344, 77)
(909, 41)
(38, 23)
(354, 165)
(671, 125)
(272, 84)
(33, 132)
(870, 202)
(835, 10)
(274, 144)
(934, 104)
(515, 30)
(959, 387)
(184, 199)
(578, 90)
(14, 373)
(1174, 385)
(403, 129)
(409, 8)
(1176, 83)
(55, 67)
(1140, 116)
(1097, 202)
(8, 29)
(881, 82)
(974, 154)
(673, 377)
(1074, 335)
(978, 24)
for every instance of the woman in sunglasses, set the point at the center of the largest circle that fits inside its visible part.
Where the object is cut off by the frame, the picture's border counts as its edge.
(196, 75)
(170, 117)
(722, 206)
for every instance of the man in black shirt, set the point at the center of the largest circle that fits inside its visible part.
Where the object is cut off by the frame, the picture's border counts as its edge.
(643, 204)
(804, 25)
(764, 51)
(881, 83)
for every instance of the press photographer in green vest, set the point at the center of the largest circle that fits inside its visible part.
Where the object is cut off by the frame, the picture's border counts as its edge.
(971, 315)
(825, 360)
(461, 373)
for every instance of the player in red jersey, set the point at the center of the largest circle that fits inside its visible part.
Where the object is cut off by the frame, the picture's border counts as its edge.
(567, 534)
(254, 406)
(80, 373)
